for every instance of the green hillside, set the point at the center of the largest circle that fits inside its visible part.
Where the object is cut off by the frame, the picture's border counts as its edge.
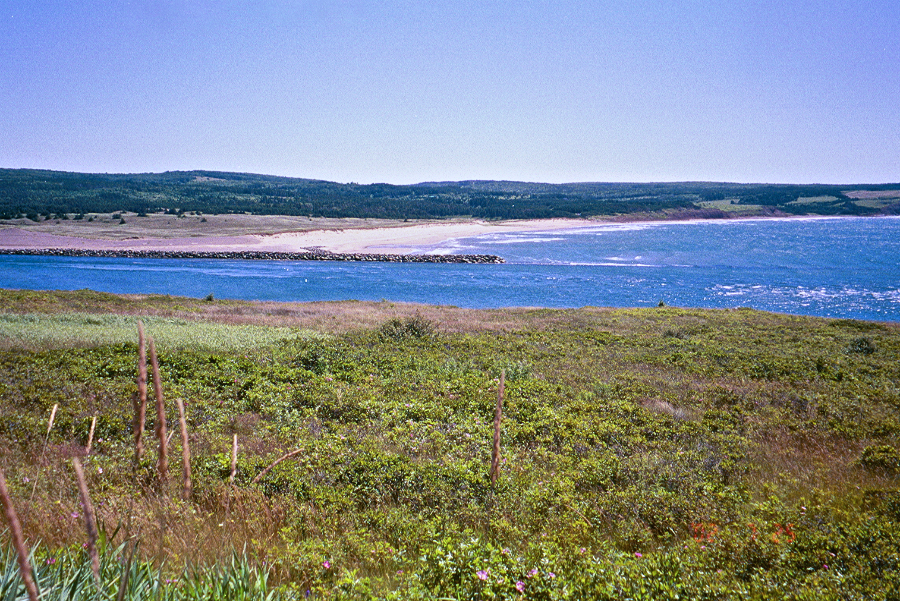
(41, 194)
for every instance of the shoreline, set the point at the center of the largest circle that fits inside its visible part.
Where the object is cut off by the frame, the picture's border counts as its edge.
(407, 240)
(399, 239)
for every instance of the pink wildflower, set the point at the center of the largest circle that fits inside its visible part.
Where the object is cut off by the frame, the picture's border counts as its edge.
(326, 564)
(520, 586)
(638, 555)
(532, 573)
(482, 574)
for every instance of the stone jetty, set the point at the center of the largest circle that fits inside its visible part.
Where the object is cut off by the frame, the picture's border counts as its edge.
(253, 255)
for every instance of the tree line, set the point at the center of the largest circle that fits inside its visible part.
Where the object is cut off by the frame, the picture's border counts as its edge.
(40, 194)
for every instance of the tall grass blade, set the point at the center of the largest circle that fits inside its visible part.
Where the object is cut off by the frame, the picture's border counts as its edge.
(126, 573)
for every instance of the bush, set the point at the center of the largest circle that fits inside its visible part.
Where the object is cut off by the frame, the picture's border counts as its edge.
(883, 457)
(863, 346)
(396, 329)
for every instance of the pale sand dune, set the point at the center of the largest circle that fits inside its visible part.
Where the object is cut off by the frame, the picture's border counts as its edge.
(412, 239)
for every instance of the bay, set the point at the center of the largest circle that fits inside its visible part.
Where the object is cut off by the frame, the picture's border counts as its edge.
(831, 267)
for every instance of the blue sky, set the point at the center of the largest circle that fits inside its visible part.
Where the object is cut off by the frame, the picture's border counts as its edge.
(408, 91)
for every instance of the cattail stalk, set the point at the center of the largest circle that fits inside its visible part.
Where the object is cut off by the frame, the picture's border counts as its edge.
(15, 530)
(87, 449)
(163, 464)
(185, 452)
(234, 450)
(498, 417)
(263, 473)
(90, 521)
(141, 403)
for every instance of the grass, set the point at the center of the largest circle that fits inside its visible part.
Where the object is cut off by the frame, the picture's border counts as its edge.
(646, 453)
(42, 331)
(808, 200)
(732, 207)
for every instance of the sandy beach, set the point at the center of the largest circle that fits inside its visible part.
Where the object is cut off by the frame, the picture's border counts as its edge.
(399, 239)
(414, 239)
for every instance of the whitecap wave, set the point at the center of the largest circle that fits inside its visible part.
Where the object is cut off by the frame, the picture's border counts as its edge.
(520, 240)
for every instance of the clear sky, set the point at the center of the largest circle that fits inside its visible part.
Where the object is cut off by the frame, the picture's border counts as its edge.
(405, 91)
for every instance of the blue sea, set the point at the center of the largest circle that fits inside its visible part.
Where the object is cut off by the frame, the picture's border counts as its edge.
(833, 267)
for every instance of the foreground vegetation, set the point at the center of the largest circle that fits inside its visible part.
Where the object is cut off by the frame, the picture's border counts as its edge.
(40, 195)
(646, 454)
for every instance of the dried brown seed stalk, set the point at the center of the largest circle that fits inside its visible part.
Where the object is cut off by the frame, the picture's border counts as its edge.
(163, 464)
(273, 464)
(234, 450)
(15, 529)
(185, 452)
(90, 442)
(90, 521)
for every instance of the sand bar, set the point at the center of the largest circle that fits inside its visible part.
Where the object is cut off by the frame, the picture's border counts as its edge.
(401, 239)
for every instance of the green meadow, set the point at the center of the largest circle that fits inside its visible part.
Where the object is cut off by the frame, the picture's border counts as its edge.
(659, 453)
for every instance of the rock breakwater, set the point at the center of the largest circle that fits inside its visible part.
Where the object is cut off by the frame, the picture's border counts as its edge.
(254, 255)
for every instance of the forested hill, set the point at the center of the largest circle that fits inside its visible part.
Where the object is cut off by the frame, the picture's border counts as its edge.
(39, 193)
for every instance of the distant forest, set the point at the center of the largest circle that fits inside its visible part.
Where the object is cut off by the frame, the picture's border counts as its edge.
(39, 194)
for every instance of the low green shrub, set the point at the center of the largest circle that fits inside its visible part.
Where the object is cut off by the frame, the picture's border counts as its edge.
(396, 329)
(883, 457)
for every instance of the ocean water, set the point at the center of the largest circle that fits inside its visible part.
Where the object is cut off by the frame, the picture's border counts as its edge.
(832, 267)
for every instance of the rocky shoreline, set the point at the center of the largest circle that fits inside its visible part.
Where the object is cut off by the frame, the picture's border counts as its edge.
(319, 255)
